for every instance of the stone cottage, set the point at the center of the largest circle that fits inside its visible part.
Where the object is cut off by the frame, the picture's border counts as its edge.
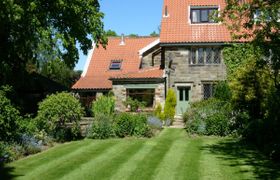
(186, 57)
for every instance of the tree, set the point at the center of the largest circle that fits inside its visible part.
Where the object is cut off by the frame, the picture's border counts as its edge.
(257, 20)
(30, 30)
(154, 34)
(111, 33)
(133, 35)
(59, 72)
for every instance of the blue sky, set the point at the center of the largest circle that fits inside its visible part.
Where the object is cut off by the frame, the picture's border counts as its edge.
(140, 17)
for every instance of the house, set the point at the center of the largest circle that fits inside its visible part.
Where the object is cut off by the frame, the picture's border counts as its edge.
(186, 57)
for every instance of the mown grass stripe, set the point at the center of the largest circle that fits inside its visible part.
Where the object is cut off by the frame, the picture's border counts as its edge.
(108, 170)
(58, 167)
(126, 169)
(89, 169)
(146, 168)
(32, 162)
(171, 162)
(189, 164)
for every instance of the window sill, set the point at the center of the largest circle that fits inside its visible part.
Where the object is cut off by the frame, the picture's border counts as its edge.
(204, 65)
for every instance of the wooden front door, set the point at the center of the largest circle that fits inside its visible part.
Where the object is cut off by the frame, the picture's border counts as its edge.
(183, 97)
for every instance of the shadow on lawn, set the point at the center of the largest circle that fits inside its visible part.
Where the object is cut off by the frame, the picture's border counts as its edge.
(6, 172)
(238, 153)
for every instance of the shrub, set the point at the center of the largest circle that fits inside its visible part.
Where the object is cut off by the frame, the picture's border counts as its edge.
(9, 120)
(158, 112)
(59, 116)
(104, 105)
(10, 152)
(209, 117)
(170, 105)
(134, 104)
(127, 124)
(222, 91)
(101, 127)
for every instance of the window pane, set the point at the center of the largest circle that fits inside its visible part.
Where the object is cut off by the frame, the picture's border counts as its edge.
(181, 94)
(217, 56)
(204, 15)
(195, 16)
(193, 56)
(142, 95)
(115, 65)
(208, 55)
(207, 91)
(187, 90)
(200, 56)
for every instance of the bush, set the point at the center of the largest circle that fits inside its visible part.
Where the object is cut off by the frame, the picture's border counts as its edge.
(170, 105)
(104, 105)
(209, 117)
(101, 127)
(134, 104)
(10, 152)
(158, 112)
(222, 91)
(9, 120)
(127, 124)
(59, 116)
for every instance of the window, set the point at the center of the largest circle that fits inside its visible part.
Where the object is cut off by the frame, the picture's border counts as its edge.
(205, 56)
(202, 15)
(115, 65)
(142, 95)
(208, 90)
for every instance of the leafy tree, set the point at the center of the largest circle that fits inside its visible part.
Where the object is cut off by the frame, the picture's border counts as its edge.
(30, 30)
(154, 34)
(111, 33)
(58, 71)
(133, 35)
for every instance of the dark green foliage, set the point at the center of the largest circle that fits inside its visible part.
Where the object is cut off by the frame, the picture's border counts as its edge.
(209, 117)
(104, 105)
(170, 105)
(59, 115)
(9, 120)
(134, 104)
(222, 91)
(36, 30)
(102, 127)
(126, 124)
(59, 72)
(111, 33)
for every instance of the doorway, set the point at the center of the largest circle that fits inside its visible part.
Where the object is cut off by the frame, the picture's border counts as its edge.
(183, 99)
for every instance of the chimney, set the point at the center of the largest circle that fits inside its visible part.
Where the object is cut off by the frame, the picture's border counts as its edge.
(122, 40)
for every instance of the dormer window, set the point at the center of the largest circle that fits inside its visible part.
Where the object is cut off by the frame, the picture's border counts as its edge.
(202, 14)
(115, 65)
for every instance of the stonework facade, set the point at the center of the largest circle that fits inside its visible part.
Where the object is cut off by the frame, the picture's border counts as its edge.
(180, 71)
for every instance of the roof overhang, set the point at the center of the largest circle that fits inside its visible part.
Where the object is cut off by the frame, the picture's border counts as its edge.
(149, 46)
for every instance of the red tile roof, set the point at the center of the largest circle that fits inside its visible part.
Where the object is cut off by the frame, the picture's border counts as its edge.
(176, 27)
(149, 73)
(98, 73)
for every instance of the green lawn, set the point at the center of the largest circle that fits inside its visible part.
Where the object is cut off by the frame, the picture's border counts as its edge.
(170, 155)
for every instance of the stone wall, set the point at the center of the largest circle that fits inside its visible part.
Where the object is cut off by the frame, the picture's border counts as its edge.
(151, 58)
(120, 94)
(182, 72)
